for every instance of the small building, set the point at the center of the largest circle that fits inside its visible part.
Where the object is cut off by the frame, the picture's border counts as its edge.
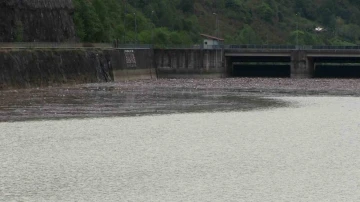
(211, 41)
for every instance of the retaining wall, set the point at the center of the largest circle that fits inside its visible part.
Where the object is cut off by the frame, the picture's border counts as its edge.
(32, 68)
(189, 63)
(21, 68)
(129, 64)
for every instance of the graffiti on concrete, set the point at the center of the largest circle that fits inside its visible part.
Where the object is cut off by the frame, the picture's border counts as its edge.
(130, 58)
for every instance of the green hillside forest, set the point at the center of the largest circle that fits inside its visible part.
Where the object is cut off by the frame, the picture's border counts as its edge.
(180, 22)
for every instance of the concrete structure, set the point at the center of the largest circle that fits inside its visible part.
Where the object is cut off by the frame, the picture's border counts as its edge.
(231, 62)
(302, 63)
(21, 67)
(189, 63)
(211, 42)
(130, 64)
(228, 62)
(44, 67)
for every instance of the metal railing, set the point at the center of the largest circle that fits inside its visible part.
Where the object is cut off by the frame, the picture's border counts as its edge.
(134, 46)
(317, 47)
(51, 45)
(254, 46)
(292, 47)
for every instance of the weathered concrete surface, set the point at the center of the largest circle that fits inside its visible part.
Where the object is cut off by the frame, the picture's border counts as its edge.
(44, 67)
(36, 20)
(133, 64)
(28, 68)
(189, 63)
(301, 65)
(134, 74)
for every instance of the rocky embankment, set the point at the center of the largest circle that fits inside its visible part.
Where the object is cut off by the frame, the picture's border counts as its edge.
(36, 20)
(30, 68)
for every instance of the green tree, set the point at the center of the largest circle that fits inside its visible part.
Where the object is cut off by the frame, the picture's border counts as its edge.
(247, 36)
(304, 38)
(187, 6)
(265, 12)
(106, 32)
(89, 20)
(177, 20)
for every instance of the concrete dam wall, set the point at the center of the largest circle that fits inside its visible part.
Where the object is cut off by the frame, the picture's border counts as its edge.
(129, 64)
(32, 68)
(46, 67)
(189, 63)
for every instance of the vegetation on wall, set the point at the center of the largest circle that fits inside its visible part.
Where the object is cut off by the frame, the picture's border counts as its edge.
(180, 22)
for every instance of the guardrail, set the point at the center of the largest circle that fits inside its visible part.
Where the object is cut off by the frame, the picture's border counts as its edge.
(33, 45)
(254, 46)
(332, 47)
(134, 46)
(257, 47)
(291, 47)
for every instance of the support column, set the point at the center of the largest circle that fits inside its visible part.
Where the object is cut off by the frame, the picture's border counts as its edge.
(223, 64)
(228, 67)
(300, 65)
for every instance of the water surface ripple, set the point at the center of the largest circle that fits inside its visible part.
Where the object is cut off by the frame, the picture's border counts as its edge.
(303, 153)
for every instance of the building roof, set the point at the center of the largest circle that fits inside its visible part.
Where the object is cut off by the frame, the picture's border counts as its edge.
(211, 37)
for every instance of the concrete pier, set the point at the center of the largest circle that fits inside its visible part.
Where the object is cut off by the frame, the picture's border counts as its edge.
(300, 67)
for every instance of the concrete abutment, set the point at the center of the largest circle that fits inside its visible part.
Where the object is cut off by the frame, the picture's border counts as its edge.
(301, 65)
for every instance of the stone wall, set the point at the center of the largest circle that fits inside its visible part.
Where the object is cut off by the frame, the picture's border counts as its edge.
(32, 68)
(36, 20)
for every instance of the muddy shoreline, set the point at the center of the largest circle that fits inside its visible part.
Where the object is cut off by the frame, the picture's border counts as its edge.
(163, 96)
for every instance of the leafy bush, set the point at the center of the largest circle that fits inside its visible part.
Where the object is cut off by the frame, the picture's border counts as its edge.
(265, 12)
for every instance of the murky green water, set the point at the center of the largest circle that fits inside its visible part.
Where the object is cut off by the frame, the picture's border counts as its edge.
(305, 152)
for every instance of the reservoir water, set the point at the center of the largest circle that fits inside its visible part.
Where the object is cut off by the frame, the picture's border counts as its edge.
(307, 150)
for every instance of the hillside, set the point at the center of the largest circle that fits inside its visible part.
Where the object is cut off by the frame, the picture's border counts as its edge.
(240, 21)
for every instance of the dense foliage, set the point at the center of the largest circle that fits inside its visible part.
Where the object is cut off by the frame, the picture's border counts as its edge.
(169, 22)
